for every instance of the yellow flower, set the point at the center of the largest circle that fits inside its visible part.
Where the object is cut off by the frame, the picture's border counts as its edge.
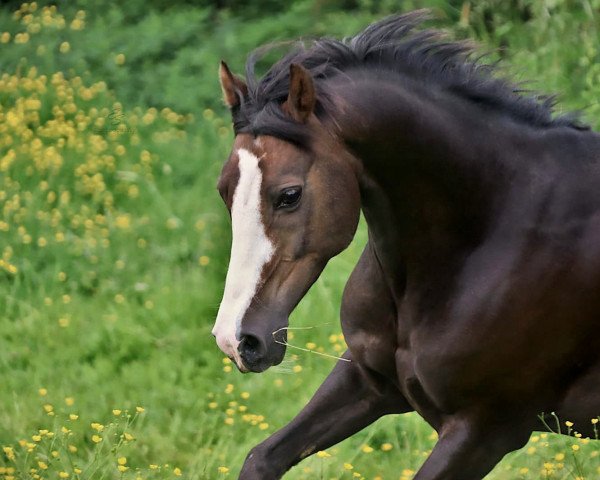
(386, 447)
(97, 426)
(77, 24)
(204, 261)
(245, 395)
(73, 416)
(575, 447)
(128, 437)
(43, 465)
(64, 47)
(367, 449)
(120, 59)
(223, 470)
(348, 466)
(36, 438)
(96, 438)
(594, 421)
(297, 368)
(153, 466)
(569, 424)
(122, 468)
(123, 222)
(63, 474)
(72, 448)
(177, 471)
(116, 412)
(9, 452)
(140, 409)
(122, 460)
(43, 392)
(69, 401)
(263, 425)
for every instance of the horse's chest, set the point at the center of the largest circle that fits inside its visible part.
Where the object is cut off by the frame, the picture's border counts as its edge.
(373, 349)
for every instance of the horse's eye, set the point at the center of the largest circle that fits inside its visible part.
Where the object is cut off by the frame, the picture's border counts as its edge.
(289, 197)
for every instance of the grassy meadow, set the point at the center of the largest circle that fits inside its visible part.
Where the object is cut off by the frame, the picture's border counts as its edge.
(114, 243)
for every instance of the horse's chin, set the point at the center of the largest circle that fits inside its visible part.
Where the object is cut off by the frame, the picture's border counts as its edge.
(264, 364)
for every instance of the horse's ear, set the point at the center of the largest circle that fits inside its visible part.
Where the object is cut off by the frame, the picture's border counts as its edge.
(234, 88)
(302, 97)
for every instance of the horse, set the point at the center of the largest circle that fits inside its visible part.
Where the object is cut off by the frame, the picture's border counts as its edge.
(476, 300)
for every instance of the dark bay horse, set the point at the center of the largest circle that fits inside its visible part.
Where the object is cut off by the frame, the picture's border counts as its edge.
(476, 301)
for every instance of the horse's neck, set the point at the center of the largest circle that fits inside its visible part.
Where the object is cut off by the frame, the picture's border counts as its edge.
(432, 172)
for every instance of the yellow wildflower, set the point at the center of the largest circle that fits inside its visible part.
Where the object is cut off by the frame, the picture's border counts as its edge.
(9, 452)
(97, 426)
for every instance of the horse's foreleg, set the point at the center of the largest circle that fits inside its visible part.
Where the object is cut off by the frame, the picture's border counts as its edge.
(468, 450)
(348, 400)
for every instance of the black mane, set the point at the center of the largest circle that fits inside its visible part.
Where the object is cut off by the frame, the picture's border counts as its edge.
(392, 45)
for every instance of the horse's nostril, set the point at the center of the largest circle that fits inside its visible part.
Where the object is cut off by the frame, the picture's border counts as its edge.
(250, 349)
(250, 343)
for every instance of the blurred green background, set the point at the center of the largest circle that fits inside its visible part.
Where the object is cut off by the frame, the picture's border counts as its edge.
(114, 243)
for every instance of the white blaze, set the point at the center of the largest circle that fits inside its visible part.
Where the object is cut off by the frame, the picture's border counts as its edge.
(250, 252)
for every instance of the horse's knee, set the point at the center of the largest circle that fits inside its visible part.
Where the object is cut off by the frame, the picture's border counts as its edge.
(257, 466)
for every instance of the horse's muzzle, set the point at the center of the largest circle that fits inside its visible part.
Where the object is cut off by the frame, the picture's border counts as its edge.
(257, 355)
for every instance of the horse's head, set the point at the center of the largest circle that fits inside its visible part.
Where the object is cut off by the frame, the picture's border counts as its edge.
(292, 209)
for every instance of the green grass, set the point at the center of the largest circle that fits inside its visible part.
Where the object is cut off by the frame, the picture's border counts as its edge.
(114, 243)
